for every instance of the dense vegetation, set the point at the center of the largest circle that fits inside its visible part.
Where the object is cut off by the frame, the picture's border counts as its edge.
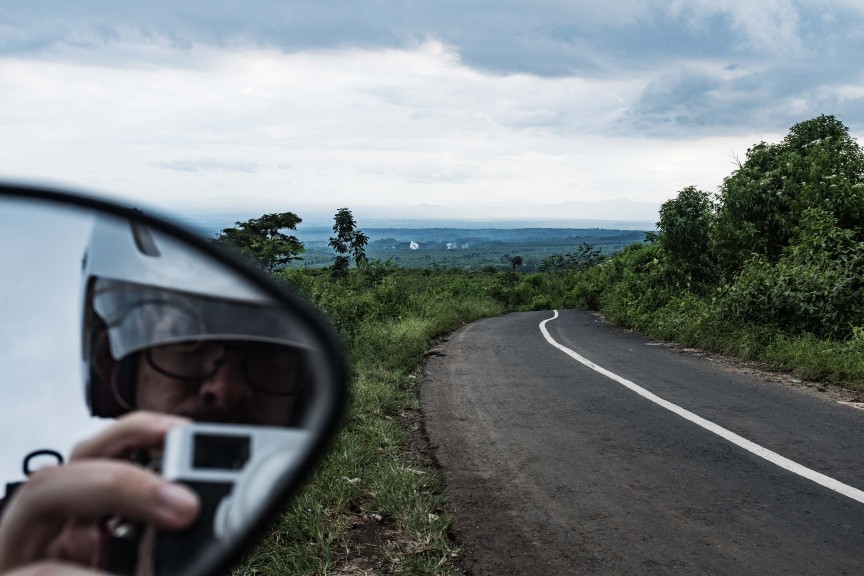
(769, 268)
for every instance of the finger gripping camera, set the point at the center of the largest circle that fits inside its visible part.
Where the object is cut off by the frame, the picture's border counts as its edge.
(233, 469)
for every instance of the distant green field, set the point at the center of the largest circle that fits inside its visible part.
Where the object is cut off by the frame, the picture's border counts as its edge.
(467, 249)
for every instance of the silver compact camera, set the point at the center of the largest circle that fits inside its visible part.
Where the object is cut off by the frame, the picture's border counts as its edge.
(233, 469)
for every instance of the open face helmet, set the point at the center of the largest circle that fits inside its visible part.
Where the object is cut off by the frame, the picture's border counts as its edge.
(145, 291)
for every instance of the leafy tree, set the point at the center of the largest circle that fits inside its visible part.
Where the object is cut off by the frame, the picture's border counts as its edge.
(817, 165)
(339, 269)
(586, 255)
(684, 233)
(348, 240)
(556, 263)
(262, 239)
(514, 261)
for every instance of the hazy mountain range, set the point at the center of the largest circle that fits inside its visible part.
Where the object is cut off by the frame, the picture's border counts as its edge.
(610, 215)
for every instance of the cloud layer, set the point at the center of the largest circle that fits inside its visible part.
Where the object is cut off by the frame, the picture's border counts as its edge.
(398, 101)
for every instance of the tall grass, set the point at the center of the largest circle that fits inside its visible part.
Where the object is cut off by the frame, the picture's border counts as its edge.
(375, 505)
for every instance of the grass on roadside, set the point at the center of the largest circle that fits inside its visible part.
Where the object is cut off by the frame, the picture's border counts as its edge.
(375, 505)
(698, 321)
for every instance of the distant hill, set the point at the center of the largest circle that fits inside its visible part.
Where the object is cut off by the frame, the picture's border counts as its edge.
(464, 244)
(210, 224)
(220, 213)
(468, 248)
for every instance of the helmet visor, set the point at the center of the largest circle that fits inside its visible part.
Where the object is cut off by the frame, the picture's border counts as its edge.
(139, 316)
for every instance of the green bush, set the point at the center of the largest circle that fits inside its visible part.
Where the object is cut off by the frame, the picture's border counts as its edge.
(817, 165)
(541, 302)
(816, 287)
(504, 290)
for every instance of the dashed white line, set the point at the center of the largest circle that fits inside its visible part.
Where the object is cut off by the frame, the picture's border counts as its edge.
(740, 441)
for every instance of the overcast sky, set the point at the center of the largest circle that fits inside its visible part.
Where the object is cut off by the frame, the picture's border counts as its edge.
(459, 108)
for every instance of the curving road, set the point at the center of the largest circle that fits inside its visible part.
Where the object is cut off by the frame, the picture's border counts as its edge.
(661, 462)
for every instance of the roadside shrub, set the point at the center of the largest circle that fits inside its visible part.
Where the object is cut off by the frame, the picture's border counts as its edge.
(586, 288)
(504, 290)
(525, 293)
(683, 232)
(297, 279)
(685, 319)
(462, 286)
(541, 302)
(391, 297)
(535, 280)
(634, 284)
(372, 272)
(392, 345)
(816, 287)
(812, 358)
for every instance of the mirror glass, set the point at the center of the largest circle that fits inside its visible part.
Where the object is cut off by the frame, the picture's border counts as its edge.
(40, 336)
(106, 315)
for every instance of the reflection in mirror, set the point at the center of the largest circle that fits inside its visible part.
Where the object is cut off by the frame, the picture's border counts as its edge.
(168, 331)
(40, 348)
(158, 325)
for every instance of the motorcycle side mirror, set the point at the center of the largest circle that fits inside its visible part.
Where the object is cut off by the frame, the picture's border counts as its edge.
(151, 312)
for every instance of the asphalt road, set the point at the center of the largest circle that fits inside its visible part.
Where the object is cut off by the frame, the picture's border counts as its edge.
(555, 468)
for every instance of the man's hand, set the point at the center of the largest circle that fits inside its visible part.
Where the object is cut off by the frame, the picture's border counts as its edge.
(55, 515)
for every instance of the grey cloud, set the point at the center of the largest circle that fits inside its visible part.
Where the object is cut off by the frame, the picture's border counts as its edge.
(506, 36)
(793, 44)
(503, 36)
(683, 100)
(850, 111)
(688, 101)
(206, 165)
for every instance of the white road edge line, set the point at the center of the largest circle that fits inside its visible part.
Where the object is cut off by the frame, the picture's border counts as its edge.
(857, 405)
(752, 447)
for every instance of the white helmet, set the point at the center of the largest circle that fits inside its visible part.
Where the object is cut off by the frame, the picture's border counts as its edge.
(143, 288)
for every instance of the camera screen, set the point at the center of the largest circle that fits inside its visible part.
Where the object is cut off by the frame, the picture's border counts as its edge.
(220, 452)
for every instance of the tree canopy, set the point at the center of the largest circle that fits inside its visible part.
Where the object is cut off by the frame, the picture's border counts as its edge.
(684, 229)
(586, 255)
(817, 165)
(262, 239)
(348, 240)
(782, 246)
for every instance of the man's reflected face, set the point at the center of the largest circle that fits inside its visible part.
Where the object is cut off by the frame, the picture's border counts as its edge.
(221, 381)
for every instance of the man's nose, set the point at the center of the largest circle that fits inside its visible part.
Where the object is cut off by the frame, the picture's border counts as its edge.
(226, 386)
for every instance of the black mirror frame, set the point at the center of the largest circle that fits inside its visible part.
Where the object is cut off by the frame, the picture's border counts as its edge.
(218, 559)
